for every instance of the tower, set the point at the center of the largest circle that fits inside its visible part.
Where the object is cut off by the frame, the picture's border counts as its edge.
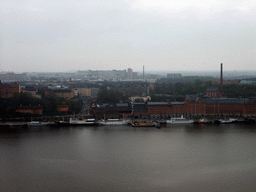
(143, 72)
(130, 74)
(221, 79)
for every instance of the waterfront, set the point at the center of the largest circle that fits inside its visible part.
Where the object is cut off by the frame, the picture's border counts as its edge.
(123, 158)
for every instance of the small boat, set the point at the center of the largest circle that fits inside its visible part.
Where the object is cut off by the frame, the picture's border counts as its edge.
(157, 125)
(113, 122)
(226, 121)
(222, 121)
(179, 120)
(233, 120)
(80, 122)
(202, 121)
(142, 124)
(37, 123)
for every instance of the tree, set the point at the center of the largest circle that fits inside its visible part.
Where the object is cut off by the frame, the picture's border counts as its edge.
(110, 96)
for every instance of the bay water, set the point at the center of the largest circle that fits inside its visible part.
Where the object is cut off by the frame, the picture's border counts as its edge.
(123, 158)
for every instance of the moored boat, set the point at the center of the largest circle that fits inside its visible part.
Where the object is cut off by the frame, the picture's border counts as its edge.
(113, 122)
(179, 120)
(157, 125)
(142, 124)
(80, 122)
(222, 121)
(202, 121)
(233, 120)
(37, 123)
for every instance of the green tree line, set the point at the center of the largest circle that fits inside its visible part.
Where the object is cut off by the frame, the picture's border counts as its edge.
(235, 91)
(178, 91)
(111, 96)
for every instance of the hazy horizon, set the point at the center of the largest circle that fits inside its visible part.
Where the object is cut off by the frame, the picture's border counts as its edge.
(215, 73)
(181, 35)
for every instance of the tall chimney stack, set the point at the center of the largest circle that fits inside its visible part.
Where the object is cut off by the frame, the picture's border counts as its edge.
(143, 72)
(221, 78)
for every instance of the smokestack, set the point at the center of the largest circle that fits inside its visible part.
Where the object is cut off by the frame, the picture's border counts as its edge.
(221, 78)
(143, 72)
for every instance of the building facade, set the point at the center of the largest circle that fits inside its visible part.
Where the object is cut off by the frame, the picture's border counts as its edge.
(30, 109)
(65, 93)
(8, 90)
(191, 106)
(105, 111)
(130, 74)
(10, 77)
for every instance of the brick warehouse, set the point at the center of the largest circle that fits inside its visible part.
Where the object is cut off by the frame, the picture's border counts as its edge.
(193, 105)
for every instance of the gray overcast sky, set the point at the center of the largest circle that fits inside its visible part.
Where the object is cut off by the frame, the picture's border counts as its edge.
(163, 35)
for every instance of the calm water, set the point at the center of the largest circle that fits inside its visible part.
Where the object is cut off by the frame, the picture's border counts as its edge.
(173, 158)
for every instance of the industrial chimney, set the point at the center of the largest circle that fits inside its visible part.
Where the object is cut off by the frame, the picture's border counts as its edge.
(143, 72)
(221, 79)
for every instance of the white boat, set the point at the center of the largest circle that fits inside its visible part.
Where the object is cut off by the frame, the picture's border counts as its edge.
(233, 120)
(113, 122)
(227, 121)
(222, 121)
(179, 120)
(37, 123)
(80, 121)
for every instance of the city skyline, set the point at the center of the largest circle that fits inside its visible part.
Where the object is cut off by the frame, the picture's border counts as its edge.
(58, 36)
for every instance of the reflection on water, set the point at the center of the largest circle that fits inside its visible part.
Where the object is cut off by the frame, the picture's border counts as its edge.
(123, 158)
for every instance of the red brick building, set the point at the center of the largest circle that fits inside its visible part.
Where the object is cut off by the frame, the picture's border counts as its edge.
(8, 90)
(30, 109)
(213, 92)
(193, 105)
(62, 108)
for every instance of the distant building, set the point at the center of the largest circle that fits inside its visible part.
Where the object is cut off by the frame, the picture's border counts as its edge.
(65, 93)
(30, 91)
(89, 92)
(174, 75)
(139, 109)
(102, 74)
(212, 92)
(134, 75)
(194, 104)
(247, 82)
(141, 99)
(62, 108)
(83, 91)
(130, 73)
(13, 77)
(30, 109)
(8, 90)
(230, 82)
